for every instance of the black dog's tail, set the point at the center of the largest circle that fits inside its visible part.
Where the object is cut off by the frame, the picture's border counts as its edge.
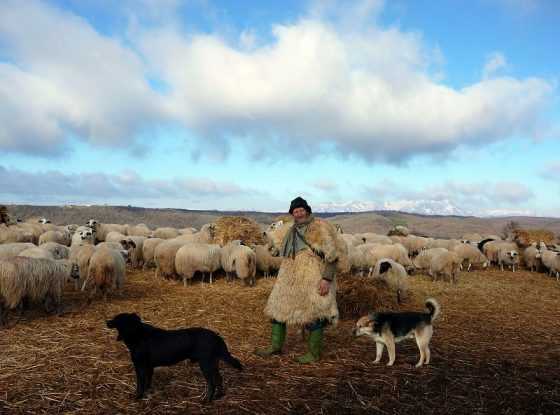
(232, 361)
(482, 243)
(433, 306)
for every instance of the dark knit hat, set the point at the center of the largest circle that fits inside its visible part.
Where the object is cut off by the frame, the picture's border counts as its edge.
(299, 202)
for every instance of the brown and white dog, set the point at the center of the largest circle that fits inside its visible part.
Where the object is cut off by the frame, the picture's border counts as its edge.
(389, 328)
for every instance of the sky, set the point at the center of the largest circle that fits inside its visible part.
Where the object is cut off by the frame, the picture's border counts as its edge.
(202, 104)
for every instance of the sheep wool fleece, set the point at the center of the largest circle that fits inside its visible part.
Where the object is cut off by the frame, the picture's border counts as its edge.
(295, 297)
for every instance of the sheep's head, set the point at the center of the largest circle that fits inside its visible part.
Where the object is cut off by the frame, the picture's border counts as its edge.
(44, 221)
(74, 271)
(92, 223)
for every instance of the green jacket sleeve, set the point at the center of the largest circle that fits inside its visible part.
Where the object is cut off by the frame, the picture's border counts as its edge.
(330, 271)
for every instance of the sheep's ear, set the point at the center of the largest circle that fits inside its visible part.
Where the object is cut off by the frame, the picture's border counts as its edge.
(131, 243)
(124, 243)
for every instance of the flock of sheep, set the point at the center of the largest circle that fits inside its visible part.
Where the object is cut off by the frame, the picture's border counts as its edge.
(38, 259)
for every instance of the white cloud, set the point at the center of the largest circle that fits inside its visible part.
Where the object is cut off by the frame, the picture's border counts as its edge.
(321, 85)
(494, 62)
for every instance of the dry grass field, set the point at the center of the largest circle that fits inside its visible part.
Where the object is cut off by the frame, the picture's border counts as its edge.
(495, 351)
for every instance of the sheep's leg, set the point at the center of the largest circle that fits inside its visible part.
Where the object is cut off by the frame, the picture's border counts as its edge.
(502, 266)
(211, 278)
(469, 267)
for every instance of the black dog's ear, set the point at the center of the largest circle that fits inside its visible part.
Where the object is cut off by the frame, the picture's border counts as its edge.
(136, 317)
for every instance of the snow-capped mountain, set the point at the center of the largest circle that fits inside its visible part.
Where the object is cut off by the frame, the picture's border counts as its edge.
(423, 207)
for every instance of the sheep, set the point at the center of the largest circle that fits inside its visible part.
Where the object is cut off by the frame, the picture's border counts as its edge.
(414, 244)
(551, 261)
(148, 251)
(374, 238)
(102, 229)
(61, 237)
(351, 240)
(13, 249)
(445, 264)
(164, 256)
(357, 259)
(83, 235)
(204, 236)
(470, 256)
(43, 221)
(239, 259)
(13, 234)
(59, 251)
(187, 231)
(397, 252)
(166, 233)
(107, 271)
(448, 244)
(472, 237)
(492, 248)
(423, 260)
(37, 252)
(36, 279)
(114, 236)
(532, 258)
(508, 257)
(81, 256)
(394, 274)
(266, 263)
(191, 258)
(134, 245)
(139, 230)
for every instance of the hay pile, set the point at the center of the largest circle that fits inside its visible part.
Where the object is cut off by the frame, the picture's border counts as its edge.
(231, 228)
(526, 237)
(4, 217)
(356, 296)
(284, 218)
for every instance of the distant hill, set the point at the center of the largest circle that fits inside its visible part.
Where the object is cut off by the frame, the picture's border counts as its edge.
(375, 221)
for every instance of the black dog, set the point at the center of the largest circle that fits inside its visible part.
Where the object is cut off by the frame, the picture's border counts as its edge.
(151, 347)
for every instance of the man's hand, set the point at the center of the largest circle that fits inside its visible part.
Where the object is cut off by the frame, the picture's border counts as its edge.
(324, 287)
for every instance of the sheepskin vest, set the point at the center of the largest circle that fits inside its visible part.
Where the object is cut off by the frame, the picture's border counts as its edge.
(295, 297)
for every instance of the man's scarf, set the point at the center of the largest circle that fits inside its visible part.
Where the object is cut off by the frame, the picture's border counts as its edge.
(294, 236)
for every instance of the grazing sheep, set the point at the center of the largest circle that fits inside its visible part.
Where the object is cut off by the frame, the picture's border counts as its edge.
(139, 230)
(37, 252)
(166, 233)
(492, 248)
(34, 229)
(59, 251)
(13, 249)
(423, 260)
(60, 237)
(102, 229)
(394, 274)
(164, 256)
(148, 251)
(204, 258)
(134, 245)
(81, 256)
(114, 236)
(373, 238)
(551, 261)
(532, 258)
(266, 263)
(107, 271)
(445, 264)
(241, 260)
(470, 255)
(357, 259)
(508, 257)
(448, 244)
(13, 234)
(83, 236)
(414, 244)
(36, 279)
(396, 252)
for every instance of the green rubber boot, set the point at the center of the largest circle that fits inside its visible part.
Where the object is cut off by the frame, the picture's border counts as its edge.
(315, 343)
(278, 338)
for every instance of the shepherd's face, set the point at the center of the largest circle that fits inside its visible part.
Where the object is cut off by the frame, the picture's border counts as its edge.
(299, 214)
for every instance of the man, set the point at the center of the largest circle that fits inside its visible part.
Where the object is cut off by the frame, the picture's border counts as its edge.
(305, 290)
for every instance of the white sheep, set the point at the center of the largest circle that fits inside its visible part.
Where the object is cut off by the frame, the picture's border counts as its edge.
(551, 261)
(36, 279)
(394, 274)
(373, 238)
(166, 233)
(532, 257)
(83, 235)
(134, 245)
(37, 252)
(107, 271)
(61, 237)
(241, 260)
(81, 256)
(397, 252)
(448, 244)
(204, 258)
(13, 234)
(492, 248)
(148, 251)
(13, 249)
(164, 257)
(445, 264)
(423, 260)
(414, 244)
(470, 255)
(57, 250)
(508, 257)
(114, 236)
(139, 230)
(266, 263)
(102, 229)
